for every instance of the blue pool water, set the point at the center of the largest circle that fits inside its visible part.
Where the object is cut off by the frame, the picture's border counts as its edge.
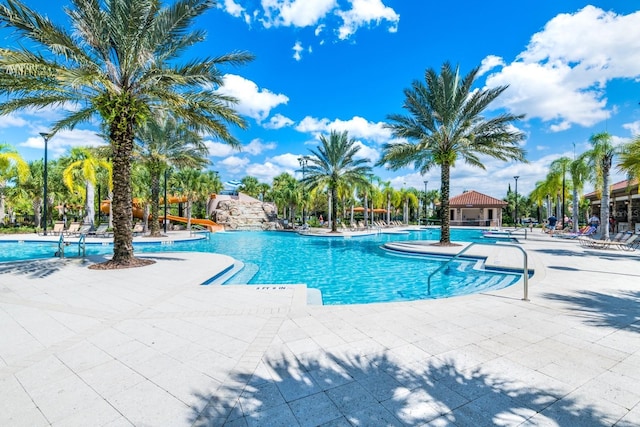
(346, 271)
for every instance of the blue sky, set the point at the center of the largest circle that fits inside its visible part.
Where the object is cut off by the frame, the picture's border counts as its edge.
(571, 67)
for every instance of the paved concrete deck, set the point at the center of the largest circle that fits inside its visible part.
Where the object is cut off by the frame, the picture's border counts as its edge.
(151, 347)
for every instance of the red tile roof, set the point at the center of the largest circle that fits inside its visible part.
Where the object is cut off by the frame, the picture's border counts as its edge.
(473, 199)
(622, 185)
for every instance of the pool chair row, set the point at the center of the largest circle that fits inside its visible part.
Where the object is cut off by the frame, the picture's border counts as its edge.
(625, 241)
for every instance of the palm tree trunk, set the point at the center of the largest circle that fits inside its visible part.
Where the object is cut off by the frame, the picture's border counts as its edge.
(89, 209)
(604, 207)
(574, 215)
(445, 232)
(366, 205)
(121, 135)
(334, 205)
(189, 205)
(388, 209)
(155, 204)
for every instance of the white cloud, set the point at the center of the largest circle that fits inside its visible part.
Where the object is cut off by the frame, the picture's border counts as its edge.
(219, 149)
(253, 101)
(366, 12)
(234, 164)
(633, 127)
(288, 160)
(64, 141)
(319, 29)
(366, 152)
(278, 121)
(232, 8)
(295, 13)
(256, 147)
(297, 51)
(357, 127)
(562, 74)
(265, 172)
(12, 120)
(489, 63)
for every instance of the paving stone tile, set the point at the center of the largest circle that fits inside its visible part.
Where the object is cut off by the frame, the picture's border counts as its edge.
(314, 410)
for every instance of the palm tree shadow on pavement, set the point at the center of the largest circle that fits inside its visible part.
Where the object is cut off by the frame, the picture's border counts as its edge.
(600, 309)
(338, 389)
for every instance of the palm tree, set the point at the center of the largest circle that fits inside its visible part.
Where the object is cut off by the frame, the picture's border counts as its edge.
(80, 177)
(333, 164)
(558, 171)
(162, 143)
(120, 63)
(580, 172)
(445, 123)
(600, 160)
(12, 167)
(630, 164)
(250, 186)
(189, 183)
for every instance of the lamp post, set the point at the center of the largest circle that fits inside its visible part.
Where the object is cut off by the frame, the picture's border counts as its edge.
(303, 164)
(46, 137)
(426, 210)
(164, 223)
(516, 218)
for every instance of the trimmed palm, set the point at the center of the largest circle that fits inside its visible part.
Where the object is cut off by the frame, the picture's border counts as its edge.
(12, 166)
(163, 143)
(444, 124)
(600, 160)
(333, 164)
(80, 176)
(119, 63)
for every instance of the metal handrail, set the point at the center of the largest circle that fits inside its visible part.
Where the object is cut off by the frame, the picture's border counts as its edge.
(61, 244)
(82, 243)
(525, 268)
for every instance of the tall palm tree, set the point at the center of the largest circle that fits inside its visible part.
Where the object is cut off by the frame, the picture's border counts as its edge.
(600, 160)
(12, 168)
(333, 163)
(80, 177)
(580, 172)
(250, 186)
(444, 124)
(629, 162)
(558, 171)
(162, 143)
(188, 182)
(120, 63)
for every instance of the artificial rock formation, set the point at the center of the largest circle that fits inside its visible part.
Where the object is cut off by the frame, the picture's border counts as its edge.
(246, 215)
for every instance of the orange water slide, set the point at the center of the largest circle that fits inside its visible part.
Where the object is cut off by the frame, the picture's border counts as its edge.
(138, 212)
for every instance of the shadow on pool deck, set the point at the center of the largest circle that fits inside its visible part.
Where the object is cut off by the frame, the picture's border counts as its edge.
(355, 390)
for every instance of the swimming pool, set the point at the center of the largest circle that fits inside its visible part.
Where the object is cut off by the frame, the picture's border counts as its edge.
(346, 271)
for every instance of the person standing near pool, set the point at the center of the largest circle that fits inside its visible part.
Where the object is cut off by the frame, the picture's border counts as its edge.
(594, 221)
(551, 223)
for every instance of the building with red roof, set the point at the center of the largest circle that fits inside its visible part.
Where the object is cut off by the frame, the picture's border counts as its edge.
(624, 205)
(472, 208)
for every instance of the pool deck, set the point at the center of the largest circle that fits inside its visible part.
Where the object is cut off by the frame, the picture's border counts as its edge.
(150, 346)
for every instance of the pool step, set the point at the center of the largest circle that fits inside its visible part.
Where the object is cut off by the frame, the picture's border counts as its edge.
(243, 276)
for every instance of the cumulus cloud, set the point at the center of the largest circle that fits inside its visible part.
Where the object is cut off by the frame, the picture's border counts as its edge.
(265, 172)
(278, 121)
(366, 13)
(352, 15)
(287, 160)
(219, 149)
(64, 141)
(253, 102)
(562, 74)
(295, 13)
(234, 164)
(489, 63)
(366, 152)
(12, 120)
(633, 127)
(357, 127)
(256, 147)
(297, 51)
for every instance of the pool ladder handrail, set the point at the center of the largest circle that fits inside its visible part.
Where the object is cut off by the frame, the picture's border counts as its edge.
(82, 245)
(456, 256)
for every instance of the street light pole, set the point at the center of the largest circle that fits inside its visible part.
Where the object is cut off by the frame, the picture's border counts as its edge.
(46, 137)
(165, 202)
(516, 218)
(426, 211)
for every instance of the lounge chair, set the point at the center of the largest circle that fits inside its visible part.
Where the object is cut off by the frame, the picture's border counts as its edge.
(73, 228)
(58, 229)
(101, 231)
(583, 232)
(84, 229)
(628, 244)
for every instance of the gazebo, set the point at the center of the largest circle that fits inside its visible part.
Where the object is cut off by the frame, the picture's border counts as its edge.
(472, 208)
